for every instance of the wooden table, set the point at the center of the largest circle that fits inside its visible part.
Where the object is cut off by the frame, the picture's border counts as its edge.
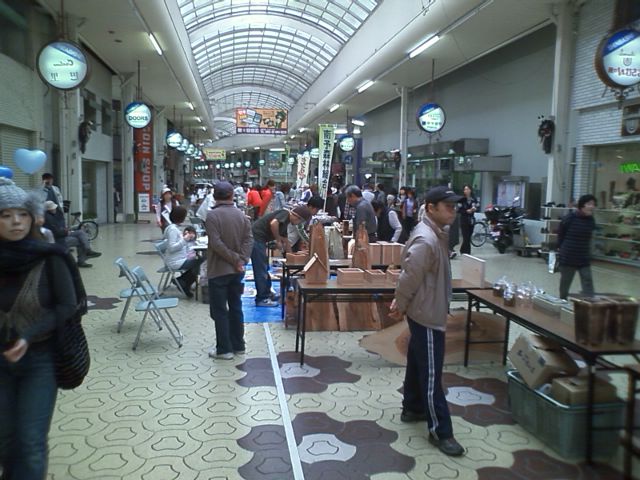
(331, 291)
(551, 327)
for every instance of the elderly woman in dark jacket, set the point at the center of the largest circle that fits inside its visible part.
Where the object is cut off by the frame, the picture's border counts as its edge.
(574, 245)
(36, 292)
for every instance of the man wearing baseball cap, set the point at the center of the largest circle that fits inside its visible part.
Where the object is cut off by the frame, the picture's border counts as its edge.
(423, 294)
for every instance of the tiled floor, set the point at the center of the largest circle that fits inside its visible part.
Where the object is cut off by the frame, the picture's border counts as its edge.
(163, 413)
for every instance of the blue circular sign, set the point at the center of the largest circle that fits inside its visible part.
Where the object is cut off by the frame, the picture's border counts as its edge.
(137, 114)
(431, 117)
(347, 143)
(618, 58)
(63, 65)
(174, 139)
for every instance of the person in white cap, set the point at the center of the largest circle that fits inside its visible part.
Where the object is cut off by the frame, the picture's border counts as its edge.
(37, 293)
(163, 209)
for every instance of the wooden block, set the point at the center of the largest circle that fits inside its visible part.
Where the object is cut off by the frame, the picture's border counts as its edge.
(375, 253)
(297, 258)
(357, 316)
(392, 275)
(315, 271)
(375, 277)
(321, 317)
(396, 253)
(473, 269)
(350, 276)
(386, 254)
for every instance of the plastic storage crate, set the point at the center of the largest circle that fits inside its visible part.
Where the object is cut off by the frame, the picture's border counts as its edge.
(564, 427)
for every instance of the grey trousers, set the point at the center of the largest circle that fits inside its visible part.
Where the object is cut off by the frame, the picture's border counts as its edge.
(79, 239)
(566, 277)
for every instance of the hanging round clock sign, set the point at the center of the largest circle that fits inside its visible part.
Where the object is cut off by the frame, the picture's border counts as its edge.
(618, 59)
(431, 117)
(62, 64)
(137, 114)
(347, 143)
(174, 139)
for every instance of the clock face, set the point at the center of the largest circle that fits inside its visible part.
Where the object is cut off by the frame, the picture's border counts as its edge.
(63, 65)
(137, 114)
(347, 144)
(431, 117)
(618, 59)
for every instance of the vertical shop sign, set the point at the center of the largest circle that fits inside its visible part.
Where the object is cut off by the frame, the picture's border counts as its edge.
(143, 165)
(325, 143)
(303, 169)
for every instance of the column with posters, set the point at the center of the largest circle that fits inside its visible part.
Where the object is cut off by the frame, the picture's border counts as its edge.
(303, 170)
(325, 145)
(143, 161)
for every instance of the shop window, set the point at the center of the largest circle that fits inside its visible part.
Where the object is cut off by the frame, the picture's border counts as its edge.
(617, 176)
(14, 31)
(107, 123)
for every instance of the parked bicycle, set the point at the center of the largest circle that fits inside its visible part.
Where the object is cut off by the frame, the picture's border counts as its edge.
(480, 233)
(87, 226)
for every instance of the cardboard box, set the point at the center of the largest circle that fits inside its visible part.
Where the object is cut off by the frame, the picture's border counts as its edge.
(573, 390)
(539, 359)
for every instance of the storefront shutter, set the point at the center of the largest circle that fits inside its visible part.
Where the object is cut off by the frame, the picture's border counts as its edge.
(11, 139)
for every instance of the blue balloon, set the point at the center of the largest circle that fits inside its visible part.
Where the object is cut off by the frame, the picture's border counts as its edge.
(6, 172)
(29, 161)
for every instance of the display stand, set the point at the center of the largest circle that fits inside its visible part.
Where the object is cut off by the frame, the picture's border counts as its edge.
(323, 315)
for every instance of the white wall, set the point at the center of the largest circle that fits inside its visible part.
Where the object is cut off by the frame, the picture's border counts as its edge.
(100, 145)
(498, 97)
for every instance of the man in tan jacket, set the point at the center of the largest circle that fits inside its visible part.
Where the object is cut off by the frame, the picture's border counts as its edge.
(423, 294)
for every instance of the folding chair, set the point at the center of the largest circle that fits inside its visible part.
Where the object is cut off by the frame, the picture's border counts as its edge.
(156, 306)
(128, 293)
(167, 274)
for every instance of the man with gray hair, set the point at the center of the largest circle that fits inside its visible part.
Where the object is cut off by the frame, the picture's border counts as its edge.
(364, 212)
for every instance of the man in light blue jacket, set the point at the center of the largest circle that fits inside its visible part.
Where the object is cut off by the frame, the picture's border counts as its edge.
(423, 293)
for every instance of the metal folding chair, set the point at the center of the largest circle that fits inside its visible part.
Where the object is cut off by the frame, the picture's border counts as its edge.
(128, 293)
(167, 274)
(156, 306)
(198, 224)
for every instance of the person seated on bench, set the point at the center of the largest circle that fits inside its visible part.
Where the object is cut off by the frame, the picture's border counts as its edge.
(54, 221)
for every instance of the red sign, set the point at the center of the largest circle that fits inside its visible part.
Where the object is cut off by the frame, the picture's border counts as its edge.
(143, 158)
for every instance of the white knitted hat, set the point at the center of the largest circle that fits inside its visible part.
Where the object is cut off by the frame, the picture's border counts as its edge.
(12, 196)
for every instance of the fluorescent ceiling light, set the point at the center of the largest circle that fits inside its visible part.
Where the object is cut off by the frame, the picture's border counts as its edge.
(204, 129)
(292, 137)
(301, 129)
(232, 152)
(190, 105)
(155, 44)
(334, 107)
(256, 148)
(359, 123)
(423, 46)
(365, 85)
(357, 131)
(199, 120)
(243, 150)
(279, 149)
(340, 131)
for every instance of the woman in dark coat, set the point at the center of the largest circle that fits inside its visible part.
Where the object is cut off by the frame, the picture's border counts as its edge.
(36, 293)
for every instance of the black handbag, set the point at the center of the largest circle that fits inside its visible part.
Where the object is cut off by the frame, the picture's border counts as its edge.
(72, 359)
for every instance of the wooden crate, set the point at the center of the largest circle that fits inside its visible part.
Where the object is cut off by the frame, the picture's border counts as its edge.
(375, 277)
(297, 258)
(396, 253)
(392, 276)
(350, 276)
(375, 253)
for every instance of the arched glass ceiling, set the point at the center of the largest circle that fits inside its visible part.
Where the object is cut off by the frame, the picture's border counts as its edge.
(281, 46)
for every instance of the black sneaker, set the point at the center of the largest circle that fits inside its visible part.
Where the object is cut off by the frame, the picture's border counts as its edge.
(84, 265)
(448, 446)
(407, 416)
(92, 254)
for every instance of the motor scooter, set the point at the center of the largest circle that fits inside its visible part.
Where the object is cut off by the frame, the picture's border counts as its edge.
(505, 223)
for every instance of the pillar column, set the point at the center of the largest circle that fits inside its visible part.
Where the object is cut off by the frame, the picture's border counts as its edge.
(127, 195)
(404, 106)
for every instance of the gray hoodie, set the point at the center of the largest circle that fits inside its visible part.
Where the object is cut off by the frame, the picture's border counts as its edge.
(424, 286)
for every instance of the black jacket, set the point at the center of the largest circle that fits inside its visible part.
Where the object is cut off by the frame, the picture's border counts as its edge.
(55, 222)
(574, 239)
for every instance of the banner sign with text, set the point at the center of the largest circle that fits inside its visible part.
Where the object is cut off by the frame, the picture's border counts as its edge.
(303, 170)
(214, 154)
(143, 163)
(325, 145)
(271, 121)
